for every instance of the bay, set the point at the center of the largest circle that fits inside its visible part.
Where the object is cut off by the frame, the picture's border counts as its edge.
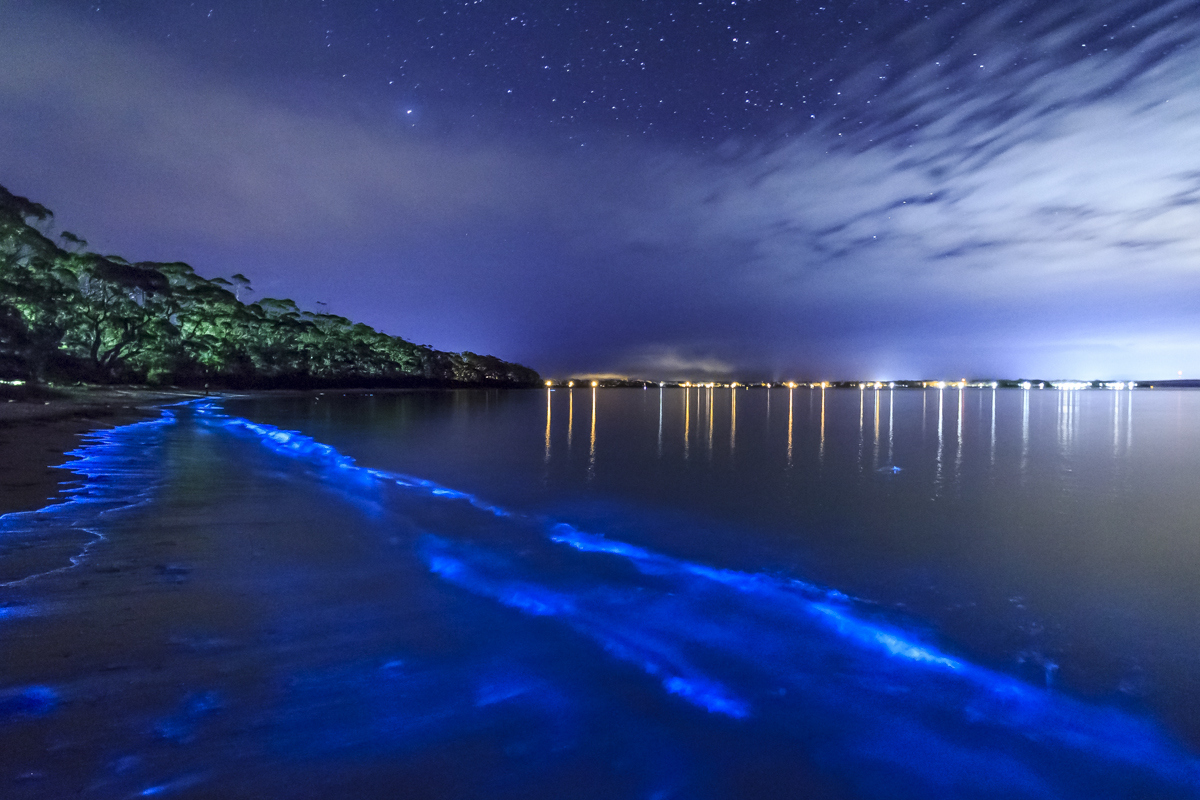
(622, 592)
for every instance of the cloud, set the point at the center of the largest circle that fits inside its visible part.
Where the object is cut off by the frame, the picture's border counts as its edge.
(1020, 176)
(1063, 190)
(671, 363)
(189, 152)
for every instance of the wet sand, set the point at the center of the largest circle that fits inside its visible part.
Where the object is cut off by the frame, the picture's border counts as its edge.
(38, 429)
(37, 432)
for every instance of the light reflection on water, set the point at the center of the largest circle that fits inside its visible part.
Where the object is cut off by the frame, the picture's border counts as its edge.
(821, 446)
(592, 441)
(789, 441)
(733, 420)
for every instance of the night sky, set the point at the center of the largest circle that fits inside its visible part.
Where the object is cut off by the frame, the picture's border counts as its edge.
(798, 190)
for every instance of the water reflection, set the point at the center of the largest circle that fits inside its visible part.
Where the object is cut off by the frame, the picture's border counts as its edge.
(959, 434)
(789, 447)
(1116, 422)
(950, 459)
(660, 421)
(1129, 422)
(891, 420)
(1065, 407)
(821, 447)
(992, 450)
(687, 420)
(924, 409)
(547, 426)
(875, 456)
(1024, 430)
(861, 407)
(592, 446)
(732, 419)
(709, 400)
(937, 478)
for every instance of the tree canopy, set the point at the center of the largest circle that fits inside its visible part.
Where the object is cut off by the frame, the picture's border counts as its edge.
(70, 314)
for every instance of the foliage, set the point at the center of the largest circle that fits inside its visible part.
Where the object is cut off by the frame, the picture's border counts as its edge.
(69, 313)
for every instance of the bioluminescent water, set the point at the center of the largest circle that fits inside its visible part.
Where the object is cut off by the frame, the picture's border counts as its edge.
(713, 593)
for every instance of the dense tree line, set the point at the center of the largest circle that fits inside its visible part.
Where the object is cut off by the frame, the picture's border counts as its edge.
(70, 314)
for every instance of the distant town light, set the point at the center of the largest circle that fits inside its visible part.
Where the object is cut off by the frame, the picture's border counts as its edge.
(571, 384)
(595, 383)
(549, 384)
(1026, 385)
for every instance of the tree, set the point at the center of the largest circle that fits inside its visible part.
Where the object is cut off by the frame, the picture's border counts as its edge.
(100, 317)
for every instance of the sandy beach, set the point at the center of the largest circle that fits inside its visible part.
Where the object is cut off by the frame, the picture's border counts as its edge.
(38, 428)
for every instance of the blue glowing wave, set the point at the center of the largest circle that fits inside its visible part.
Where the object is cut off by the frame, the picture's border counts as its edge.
(297, 445)
(895, 716)
(117, 469)
(792, 657)
(618, 638)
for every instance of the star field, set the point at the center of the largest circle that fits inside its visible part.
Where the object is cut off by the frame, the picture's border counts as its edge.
(691, 71)
(696, 71)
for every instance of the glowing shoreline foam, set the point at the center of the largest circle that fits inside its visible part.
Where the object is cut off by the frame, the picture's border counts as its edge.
(115, 474)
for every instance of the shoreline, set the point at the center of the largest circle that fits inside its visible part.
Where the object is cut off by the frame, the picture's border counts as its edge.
(37, 434)
(39, 427)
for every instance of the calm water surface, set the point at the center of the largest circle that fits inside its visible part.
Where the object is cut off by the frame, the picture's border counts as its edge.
(618, 593)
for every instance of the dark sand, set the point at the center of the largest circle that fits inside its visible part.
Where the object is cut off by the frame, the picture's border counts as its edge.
(38, 429)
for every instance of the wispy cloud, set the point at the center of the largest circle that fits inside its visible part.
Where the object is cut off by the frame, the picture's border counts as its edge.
(1003, 172)
(192, 153)
(673, 363)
